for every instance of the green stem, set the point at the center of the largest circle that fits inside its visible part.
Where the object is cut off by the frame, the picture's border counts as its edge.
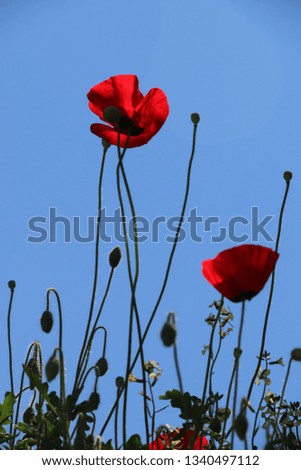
(236, 364)
(96, 262)
(85, 357)
(262, 347)
(10, 351)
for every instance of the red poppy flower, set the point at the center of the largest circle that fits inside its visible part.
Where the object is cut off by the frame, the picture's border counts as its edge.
(169, 441)
(241, 272)
(141, 116)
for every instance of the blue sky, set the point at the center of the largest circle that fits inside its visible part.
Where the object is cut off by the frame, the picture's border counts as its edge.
(236, 63)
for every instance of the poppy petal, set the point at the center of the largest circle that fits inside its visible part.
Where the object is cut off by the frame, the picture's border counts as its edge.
(144, 115)
(241, 272)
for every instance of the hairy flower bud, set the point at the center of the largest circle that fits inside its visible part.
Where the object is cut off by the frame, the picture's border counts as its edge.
(169, 332)
(112, 114)
(94, 400)
(52, 368)
(296, 354)
(287, 175)
(11, 284)
(115, 257)
(101, 367)
(195, 118)
(119, 381)
(47, 321)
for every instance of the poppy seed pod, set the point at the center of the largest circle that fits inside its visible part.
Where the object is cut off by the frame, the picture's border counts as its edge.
(169, 332)
(296, 354)
(47, 321)
(11, 284)
(287, 175)
(101, 367)
(115, 257)
(52, 368)
(195, 118)
(112, 114)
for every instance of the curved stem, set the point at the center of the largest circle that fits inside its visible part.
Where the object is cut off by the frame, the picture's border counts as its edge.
(176, 359)
(85, 356)
(270, 296)
(96, 261)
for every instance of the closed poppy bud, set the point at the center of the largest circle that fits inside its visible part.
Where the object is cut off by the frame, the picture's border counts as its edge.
(119, 382)
(169, 332)
(101, 367)
(52, 368)
(112, 114)
(28, 415)
(47, 321)
(287, 175)
(241, 426)
(11, 284)
(195, 118)
(94, 400)
(296, 354)
(115, 257)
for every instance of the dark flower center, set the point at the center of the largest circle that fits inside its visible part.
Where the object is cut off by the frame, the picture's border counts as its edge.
(126, 125)
(244, 296)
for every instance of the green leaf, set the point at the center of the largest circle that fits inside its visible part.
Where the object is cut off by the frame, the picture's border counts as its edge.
(7, 408)
(134, 443)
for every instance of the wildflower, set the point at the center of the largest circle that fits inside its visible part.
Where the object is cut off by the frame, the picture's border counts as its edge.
(119, 102)
(241, 272)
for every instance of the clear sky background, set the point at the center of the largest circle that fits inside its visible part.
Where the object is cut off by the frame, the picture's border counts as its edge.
(236, 63)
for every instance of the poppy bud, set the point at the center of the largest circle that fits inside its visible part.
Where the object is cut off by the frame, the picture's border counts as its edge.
(115, 257)
(101, 367)
(112, 114)
(119, 382)
(195, 118)
(28, 415)
(94, 400)
(34, 366)
(237, 353)
(296, 354)
(47, 321)
(52, 368)
(287, 175)
(169, 332)
(241, 426)
(11, 284)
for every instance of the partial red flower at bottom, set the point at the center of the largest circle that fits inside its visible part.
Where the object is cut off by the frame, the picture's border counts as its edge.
(241, 272)
(136, 115)
(178, 440)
